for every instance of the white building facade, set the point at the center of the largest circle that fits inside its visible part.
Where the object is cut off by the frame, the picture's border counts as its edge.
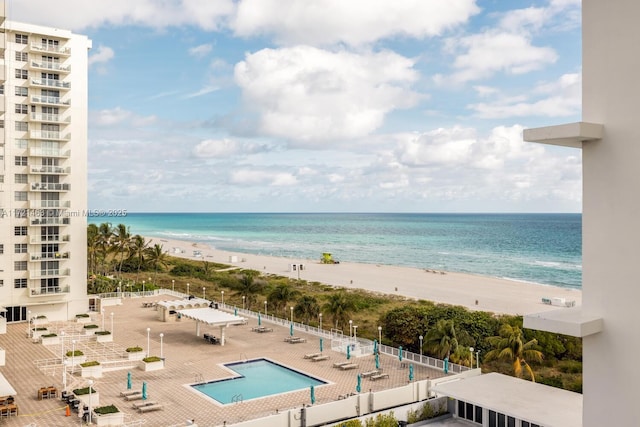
(43, 171)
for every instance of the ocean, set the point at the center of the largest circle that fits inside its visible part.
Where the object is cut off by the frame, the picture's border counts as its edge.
(536, 248)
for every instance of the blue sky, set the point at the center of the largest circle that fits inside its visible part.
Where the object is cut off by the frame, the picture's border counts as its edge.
(326, 105)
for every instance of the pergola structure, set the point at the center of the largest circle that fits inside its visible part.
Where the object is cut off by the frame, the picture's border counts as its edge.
(167, 310)
(212, 317)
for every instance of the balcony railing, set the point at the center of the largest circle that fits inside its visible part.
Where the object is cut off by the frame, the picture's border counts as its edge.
(49, 65)
(50, 238)
(58, 84)
(44, 47)
(49, 255)
(48, 152)
(45, 117)
(49, 290)
(50, 169)
(45, 186)
(55, 100)
(50, 221)
(49, 134)
(54, 272)
(46, 204)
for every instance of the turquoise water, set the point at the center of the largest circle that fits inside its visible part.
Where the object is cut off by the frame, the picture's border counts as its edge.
(538, 248)
(258, 378)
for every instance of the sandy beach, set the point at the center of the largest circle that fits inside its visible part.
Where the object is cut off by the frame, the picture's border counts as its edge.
(471, 291)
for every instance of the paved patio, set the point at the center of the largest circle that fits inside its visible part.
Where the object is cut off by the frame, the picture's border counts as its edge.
(189, 359)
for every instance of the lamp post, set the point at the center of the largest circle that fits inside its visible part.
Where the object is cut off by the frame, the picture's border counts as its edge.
(477, 358)
(222, 297)
(291, 314)
(187, 289)
(265, 308)
(111, 324)
(350, 328)
(120, 289)
(64, 362)
(471, 361)
(29, 324)
(421, 338)
(143, 286)
(379, 335)
(161, 352)
(320, 325)
(173, 285)
(204, 293)
(148, 347)
(243, 297)
(355, 333)
(90, 384)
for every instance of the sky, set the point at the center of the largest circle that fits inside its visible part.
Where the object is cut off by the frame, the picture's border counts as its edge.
(326, 105)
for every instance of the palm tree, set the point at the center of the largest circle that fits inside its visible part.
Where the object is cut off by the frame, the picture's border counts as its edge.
(307, 308)
(157, 258)
(509, 345)
(339, 307)
(105, 235)
(250, 287)
(281, 295)
(139, 246)
(441, 339)
(92, 247)
(122, 243)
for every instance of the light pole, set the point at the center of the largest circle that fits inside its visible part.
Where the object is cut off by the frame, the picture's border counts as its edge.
(320, 326)
(355, 333)
(477, 358)
(64, 365)
(29, 324)
(291, 314)
(187, 289)
(173, 285)
(243, 297)
(222, 297)
(119, 289)
(148, 347)
(471, 361)
(90, 384)
(204, 293)
(111, 324)
(161, 353)
(379, 335)
(350, 328)
(265, 308)
(143, 286)
(421, 338)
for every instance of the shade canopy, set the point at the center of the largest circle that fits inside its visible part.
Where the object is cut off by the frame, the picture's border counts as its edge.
(213, 317)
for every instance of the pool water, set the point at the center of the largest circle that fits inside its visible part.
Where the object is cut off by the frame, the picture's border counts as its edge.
(256, 378)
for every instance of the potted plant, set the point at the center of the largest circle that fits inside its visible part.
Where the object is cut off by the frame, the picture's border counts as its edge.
(104, 336)
(91, 369)
(134, 353)
(49, 339)
(83, 318)
(40, 320)
(39, 331)
(76, 357)
(151, 363)
(88, 396)
(108, 415)
(90, 329)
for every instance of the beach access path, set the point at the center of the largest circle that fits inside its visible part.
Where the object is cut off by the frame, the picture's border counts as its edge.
(472, 291)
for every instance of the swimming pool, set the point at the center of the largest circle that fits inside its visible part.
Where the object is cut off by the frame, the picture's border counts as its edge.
(256, 378)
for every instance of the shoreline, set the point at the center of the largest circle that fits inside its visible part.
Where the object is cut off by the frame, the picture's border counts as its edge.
(475, 292)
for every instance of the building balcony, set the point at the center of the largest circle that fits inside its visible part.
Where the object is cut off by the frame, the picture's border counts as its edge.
(50, 238)
(48, 291)
(50, 65)
(50, 221)
(56, 170)
(49, 100)
(47, 48)
(48, 152)
(49, 204)
(49, 118)
(54, 272)
(50, 135)
(53, 83)
(44, 186)
(45, 256)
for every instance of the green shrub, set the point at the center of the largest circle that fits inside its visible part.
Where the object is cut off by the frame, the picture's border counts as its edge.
(39, 329)
(553, 381)
(82, 315)
(90, 364)
(75, 353)
(103, 333)
(103, 410)
(570, 367)
(382, 420)
(350, 423)
(151, 359)
(82, 391)
(92, 326)
(49, 335)
(134, 349)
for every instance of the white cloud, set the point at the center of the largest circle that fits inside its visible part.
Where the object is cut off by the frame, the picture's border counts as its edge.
(220, 148)
(262, 177)
(311, 95)
(203, 91)
(201, 50)
(101, 55)
(354, 22)
(118, 116)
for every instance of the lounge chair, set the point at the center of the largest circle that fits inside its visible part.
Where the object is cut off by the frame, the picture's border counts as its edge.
(379, 377)
(139, 405)
(349, 366)
(320, 358)
(150, 408)
(339, 364)
(369, 374)
(297, 340)
(312, 355)
(129, 392)
(137, 396)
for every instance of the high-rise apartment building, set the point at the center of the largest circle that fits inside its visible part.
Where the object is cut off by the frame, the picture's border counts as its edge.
(43, 171)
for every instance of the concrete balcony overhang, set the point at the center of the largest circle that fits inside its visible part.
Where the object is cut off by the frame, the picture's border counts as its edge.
(566, 135)
(567, 321)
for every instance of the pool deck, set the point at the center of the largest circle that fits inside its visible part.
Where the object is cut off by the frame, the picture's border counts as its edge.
(188, 359)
